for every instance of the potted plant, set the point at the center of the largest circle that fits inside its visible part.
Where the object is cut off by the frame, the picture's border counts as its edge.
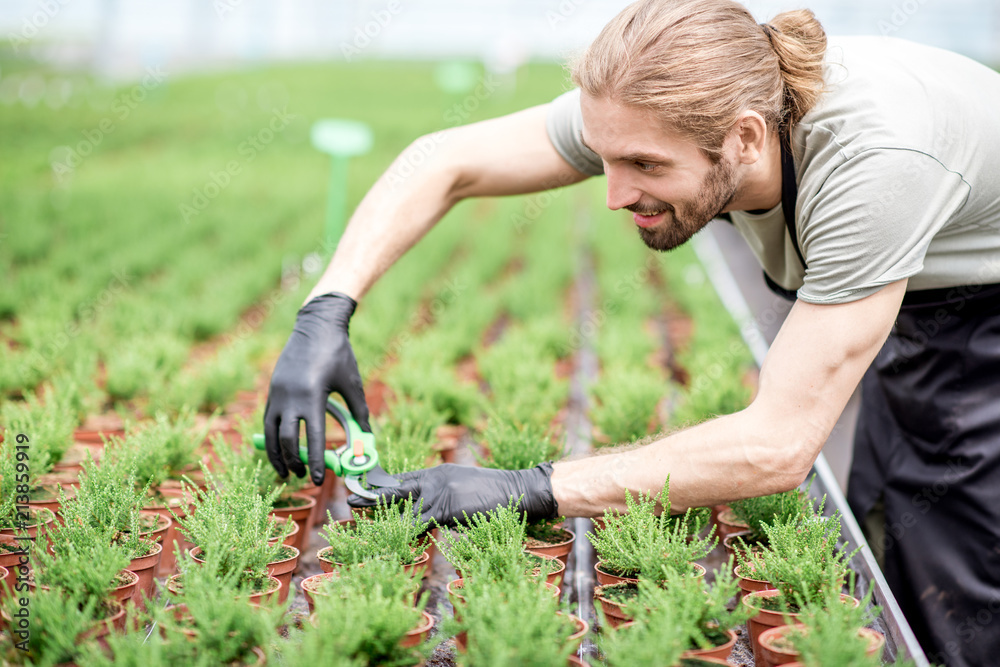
(804, 562)
(108, 499)
(83, 562)
(63, 623)
(232, 527)
(392, 532)
(755, 513)
(245, 467)
(210, 624)
(640, 534)
(625, 402)
(406, 435)
(513, 621)
(491, 544)
(368, 614)
(14, 521)
(835, 631)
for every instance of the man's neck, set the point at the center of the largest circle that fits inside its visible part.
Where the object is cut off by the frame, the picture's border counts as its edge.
(761, 187)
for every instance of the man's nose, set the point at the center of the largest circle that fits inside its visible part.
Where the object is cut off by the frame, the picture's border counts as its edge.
(621, 192)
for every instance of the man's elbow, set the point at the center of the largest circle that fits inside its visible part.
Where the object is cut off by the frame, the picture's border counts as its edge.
(789, 453)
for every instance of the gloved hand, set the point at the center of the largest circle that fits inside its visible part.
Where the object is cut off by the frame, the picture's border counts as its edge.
(316, 361)
(448, 489)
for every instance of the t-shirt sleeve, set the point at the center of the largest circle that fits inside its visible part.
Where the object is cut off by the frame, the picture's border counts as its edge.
(871, 221)
(564, 123)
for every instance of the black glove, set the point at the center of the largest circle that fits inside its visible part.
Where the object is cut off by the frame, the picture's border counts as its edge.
(448, 489)
(316, 361)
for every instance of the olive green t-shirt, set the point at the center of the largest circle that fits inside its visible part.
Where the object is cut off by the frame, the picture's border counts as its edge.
(898, 172)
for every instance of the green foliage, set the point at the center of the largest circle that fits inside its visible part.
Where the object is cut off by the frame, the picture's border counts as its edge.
(520, 372)
(83, 563)
(110, 499)
(490, 545)
(512, 622)
(546, 530)
(406, 435)
(625, 401)
(516, 446)
(363, 617)
(393, 532)
(232, 524)
(659, 640)
(831, 635)
(702, 609)
(429, 381)
(803, 558)
(165, 449)
(248, 466)
(8, 484)
(49, 424)
(640, 542)
(140, 363)
(77, 387)
(225, 626)
(58, 618)
(761, 511)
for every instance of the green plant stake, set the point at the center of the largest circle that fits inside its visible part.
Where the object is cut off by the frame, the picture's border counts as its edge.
(341, 139)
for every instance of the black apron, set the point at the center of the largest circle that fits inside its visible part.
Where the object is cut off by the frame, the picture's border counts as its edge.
(927, 444)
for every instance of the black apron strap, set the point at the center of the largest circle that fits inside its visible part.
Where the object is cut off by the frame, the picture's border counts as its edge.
(789, 197)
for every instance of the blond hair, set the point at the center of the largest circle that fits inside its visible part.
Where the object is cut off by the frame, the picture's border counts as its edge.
(698, 64)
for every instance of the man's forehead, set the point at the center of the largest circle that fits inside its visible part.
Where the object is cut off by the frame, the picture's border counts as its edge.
(625, 134)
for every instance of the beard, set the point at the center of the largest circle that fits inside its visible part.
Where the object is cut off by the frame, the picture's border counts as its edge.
(681, 223)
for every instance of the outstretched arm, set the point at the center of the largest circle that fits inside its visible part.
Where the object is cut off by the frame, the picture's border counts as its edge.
(811, 370)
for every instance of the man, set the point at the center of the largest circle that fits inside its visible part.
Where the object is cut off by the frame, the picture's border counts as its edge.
(865, 175)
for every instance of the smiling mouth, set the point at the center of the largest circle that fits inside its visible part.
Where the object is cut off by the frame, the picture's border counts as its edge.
(648, 220)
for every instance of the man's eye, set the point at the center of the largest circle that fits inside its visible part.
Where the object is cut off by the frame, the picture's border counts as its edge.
(645, 166)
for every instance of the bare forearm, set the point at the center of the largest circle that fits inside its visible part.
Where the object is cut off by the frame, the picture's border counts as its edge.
(402, 206)
(715, 462)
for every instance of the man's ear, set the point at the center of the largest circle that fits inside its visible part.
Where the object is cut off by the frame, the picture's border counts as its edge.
(750, 134)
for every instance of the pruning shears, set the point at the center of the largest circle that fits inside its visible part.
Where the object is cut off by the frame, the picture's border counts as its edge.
(356, 460)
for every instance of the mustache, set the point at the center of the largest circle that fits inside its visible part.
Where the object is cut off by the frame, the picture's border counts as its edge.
(645, 209)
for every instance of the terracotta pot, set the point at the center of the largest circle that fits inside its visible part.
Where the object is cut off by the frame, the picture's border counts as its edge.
(145, 568)
(721, 651)
(288, 541)
(126, 591)
(12, 562)
(607, 579)
(417, 568)
(42, 522)
(727, 524)
(159, 534)
(613, 611)
(282, 571)
(299, 514)
(560, 550)
(310, 584)
(326, 494)
(732, 545)
(174, 501)
(582, 628)
(316, 493)
(774, 656)
(448, 437)
(72, 460)
(454, 588)
(419, 634)
(749, 585)
(174, 586)
(574, 661)
(555, 577)
(114, 621)
(53, 504)
(766, 619)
